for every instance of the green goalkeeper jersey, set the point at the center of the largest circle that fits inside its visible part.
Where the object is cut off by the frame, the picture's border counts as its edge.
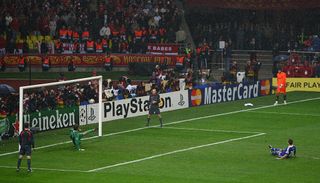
(76, 137)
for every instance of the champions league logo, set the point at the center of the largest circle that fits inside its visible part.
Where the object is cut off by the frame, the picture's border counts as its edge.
(83, 114)
(87, 115)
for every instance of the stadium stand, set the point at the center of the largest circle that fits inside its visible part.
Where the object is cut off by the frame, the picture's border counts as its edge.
(250, 34)
(66, 25)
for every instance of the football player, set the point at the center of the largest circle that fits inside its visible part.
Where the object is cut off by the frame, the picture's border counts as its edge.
(281, 86)
(154, 101)
(287, 152)
(76, 136)
(26, 142)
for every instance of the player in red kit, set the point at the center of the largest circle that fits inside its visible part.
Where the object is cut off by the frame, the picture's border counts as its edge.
(281, 86)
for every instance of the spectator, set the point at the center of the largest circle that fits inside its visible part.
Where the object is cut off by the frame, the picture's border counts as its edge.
(108, 63)
(90, 46)
(43, 47)
(249, 72)
(181, 36)
(22, 63)
(2, 64)
(317, 70)
(8, 19)
(25, 47)
(52, 27)
(85, 34)
(105, 31)
(45, 63)
(63, 33)
(70, 19)
(233, 71)
(71, 65)
(140, 91)
(227, 51)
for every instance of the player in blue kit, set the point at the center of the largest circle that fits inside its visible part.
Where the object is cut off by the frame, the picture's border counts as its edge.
(285, 153)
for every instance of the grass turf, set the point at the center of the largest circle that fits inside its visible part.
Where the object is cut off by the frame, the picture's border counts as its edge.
(244, 160)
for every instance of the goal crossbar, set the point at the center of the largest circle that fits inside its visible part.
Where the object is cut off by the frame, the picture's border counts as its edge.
(22, 88)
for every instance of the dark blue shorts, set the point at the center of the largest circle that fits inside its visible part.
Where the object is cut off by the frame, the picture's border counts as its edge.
(25, 150)
(154, 110)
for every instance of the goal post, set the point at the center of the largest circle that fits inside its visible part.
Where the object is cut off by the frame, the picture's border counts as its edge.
(59, 83)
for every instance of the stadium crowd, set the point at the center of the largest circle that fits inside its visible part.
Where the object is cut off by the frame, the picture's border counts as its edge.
(287, 31)
(51, 98)
(164, 80)
(252, 30)
(81, 26)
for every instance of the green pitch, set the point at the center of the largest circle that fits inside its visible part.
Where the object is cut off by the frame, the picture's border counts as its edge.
(224, 142)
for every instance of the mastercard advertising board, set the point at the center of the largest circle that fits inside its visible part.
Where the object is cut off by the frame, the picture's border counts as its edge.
(224, 93)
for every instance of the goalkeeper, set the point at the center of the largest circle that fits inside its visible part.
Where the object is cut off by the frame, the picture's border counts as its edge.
(281, 82)
(76, 136)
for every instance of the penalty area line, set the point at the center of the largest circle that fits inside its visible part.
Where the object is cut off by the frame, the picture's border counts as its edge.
(170, 123)
(174, 152)
(142, 159)
(286, 113)
(45, 169)
(212, 130)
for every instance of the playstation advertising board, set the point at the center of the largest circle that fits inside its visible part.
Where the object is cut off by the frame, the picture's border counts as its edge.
(132, 107)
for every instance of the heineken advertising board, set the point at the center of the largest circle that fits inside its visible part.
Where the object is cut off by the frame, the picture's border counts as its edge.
(53, 119)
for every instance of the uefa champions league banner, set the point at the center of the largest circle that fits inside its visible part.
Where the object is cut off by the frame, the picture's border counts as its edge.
(224, 93)
(120, 109)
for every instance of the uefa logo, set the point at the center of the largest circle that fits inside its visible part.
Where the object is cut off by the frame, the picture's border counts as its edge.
(196, 97)
(265, 87)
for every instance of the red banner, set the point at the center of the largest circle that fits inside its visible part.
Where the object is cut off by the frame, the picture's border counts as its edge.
(91, 59)
(164, 49)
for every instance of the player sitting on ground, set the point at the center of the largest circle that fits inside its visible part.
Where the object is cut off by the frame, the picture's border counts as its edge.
(285, 153)
(76, 136)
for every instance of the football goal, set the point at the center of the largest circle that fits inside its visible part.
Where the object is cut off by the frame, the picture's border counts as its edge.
(56, 105)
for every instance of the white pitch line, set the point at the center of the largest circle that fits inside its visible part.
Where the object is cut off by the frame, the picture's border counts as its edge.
(212, 130)
(286, 113)
(309, 157)
(46, 169)
(240, 111)
(171, 123)
(173, 152)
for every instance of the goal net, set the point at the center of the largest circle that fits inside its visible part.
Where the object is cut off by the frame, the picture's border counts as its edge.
(56, 105)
